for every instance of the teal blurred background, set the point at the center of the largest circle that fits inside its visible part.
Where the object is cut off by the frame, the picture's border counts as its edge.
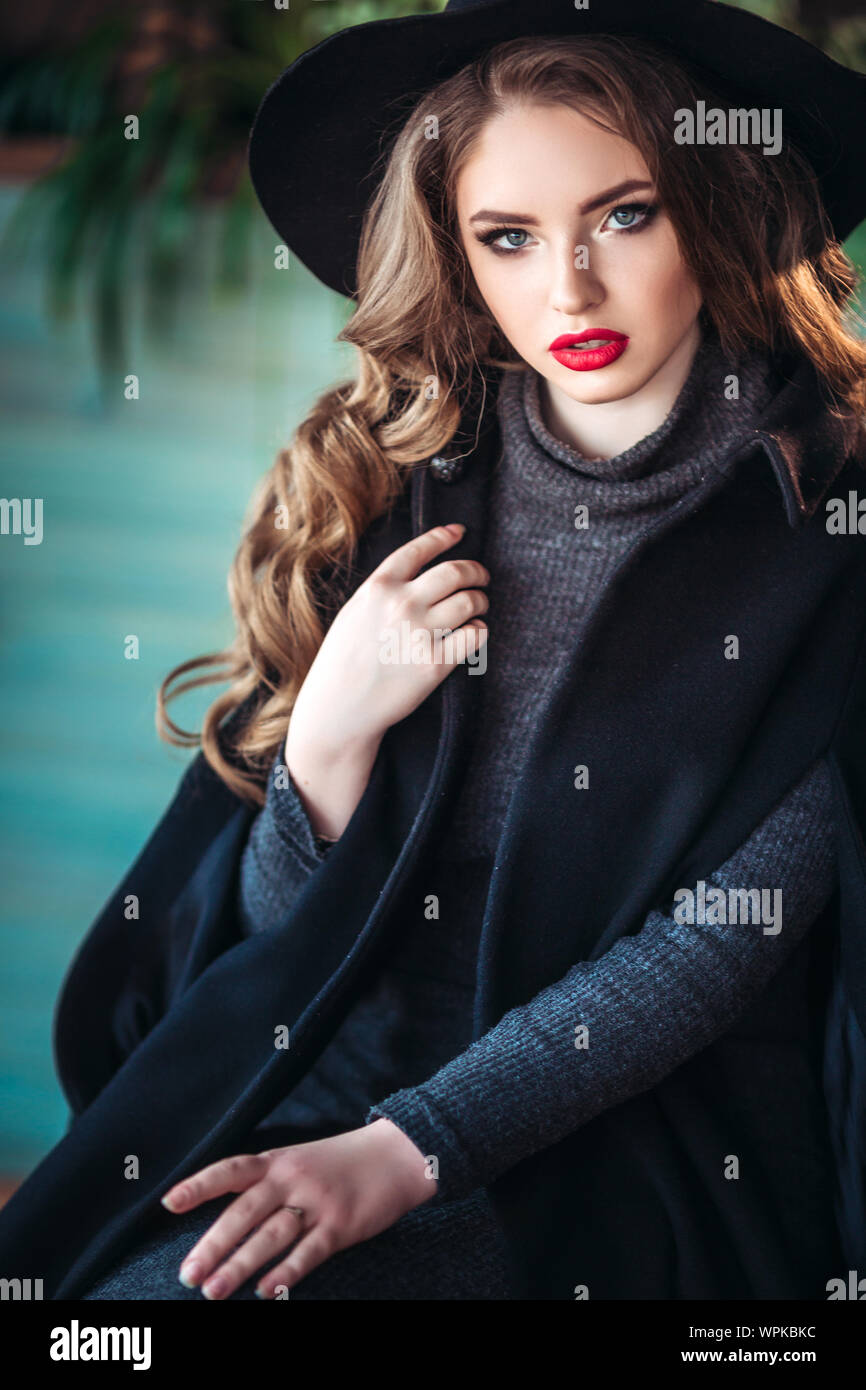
(143, 504)
(173, 279)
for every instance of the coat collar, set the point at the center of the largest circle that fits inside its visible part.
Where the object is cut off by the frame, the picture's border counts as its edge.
(807, 445)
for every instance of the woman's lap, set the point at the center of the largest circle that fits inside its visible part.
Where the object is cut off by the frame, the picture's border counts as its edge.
(434, 1252)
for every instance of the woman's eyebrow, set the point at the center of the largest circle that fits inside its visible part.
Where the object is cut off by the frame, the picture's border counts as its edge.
(618, 191)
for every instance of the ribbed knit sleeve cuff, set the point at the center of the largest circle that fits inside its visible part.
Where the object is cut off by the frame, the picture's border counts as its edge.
(284, 805)
(416, 1113)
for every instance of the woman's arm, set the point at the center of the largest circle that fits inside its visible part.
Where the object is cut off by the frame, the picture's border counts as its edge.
(650, 1003)
(353, 689)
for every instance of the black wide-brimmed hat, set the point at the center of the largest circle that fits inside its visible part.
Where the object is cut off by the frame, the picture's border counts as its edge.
(316, 145)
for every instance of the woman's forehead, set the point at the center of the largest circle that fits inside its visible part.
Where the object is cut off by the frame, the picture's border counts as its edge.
(541, 152)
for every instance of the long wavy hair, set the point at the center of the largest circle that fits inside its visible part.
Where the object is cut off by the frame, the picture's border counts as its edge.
(752, 230)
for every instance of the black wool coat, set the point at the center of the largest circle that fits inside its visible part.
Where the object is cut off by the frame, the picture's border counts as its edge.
(164, 1027)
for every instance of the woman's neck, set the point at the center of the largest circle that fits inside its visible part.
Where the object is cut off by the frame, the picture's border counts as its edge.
(603, 430)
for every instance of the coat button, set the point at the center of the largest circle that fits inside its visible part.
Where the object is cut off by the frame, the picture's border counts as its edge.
(446, 470)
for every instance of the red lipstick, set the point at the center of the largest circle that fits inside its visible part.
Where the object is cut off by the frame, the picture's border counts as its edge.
(587, 359)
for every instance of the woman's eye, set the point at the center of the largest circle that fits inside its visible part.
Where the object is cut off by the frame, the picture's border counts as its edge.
(494, 236)
(640, 213)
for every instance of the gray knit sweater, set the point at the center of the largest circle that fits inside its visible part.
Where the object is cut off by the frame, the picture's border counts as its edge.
(656, 998)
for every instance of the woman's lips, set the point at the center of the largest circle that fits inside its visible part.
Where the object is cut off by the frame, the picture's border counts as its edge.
(588, 359)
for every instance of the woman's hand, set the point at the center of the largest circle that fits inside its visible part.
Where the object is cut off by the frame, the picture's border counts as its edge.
(349, 1188)
(385, 651)
(354, 686)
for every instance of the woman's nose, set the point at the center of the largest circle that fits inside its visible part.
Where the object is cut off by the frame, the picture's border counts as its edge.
(574, 288)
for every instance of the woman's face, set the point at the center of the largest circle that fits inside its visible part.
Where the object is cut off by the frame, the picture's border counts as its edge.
(575, 250)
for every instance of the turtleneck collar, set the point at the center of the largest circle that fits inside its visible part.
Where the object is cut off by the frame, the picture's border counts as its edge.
(702, 425)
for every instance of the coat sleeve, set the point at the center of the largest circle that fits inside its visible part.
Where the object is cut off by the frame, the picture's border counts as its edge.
(649, 1003)
(175, 911)
(170, 916)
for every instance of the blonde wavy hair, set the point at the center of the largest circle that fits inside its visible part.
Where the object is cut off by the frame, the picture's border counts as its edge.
(752, 230)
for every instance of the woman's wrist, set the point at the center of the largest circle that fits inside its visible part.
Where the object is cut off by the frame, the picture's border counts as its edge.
(407, 1159)
(330, 781)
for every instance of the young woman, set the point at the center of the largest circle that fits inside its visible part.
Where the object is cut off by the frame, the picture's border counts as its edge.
(561, 1064)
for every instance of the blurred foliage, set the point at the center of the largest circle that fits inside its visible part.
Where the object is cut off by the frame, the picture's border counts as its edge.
(194, 75)
(837, 26)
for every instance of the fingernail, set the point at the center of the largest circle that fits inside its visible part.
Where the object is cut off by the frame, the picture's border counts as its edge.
(189, 1275)
(213, 1288)
(457, 527)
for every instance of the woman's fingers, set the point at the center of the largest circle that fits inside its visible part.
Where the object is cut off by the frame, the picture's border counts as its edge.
(273, 1237)
(447, 591)
(457, 609)
(454, 641)
(227, 1231)
(404, 563)
(447, 578)
(311, 1250)
(227, 1175)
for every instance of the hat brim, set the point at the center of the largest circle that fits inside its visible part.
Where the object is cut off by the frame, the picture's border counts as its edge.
(317, 144)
